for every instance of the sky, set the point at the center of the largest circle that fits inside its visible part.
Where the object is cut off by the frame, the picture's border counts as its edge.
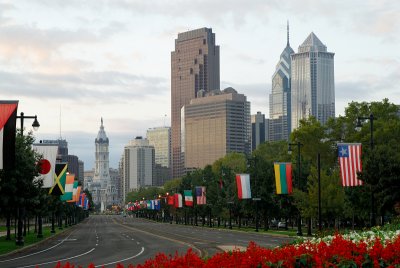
(74, 62)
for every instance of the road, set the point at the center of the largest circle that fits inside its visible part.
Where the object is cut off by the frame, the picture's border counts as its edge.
(107, 240)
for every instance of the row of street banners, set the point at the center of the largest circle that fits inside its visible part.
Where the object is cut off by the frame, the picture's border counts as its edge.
(57, 179)
(55, 176)
(349, 156)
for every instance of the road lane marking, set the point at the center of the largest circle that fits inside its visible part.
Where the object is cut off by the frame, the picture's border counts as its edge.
(44, 250)
(162, 237)
(65, 259)
(114, 262)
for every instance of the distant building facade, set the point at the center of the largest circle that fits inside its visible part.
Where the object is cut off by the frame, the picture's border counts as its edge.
(259, 130)
(194, 67)
(312, 82)
(280, 97)
(214, 125)
(138, 165)
(81, 168)
(160, 139)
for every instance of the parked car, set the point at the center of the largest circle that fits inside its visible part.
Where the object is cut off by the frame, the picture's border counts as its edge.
(282, 224)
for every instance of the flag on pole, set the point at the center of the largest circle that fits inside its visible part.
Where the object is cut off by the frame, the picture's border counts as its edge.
(221, 183)
(8, 118)
(60, 176)
(283, 178)
(157, 204)
(47, 165)
(171, 200)
(178, 200)
(75, 189)
(69, 188)
(188, 198)
(349, 155)
(78, 193)
(243, 186)
(200, 195)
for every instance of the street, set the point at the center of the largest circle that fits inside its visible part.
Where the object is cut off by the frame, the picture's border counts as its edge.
(108, 240)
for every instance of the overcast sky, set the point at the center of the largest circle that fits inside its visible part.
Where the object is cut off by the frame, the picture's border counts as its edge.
(111, 59)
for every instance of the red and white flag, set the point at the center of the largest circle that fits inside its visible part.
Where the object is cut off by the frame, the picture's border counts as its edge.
(8, 117)
(350, 163)
(178, 200)
(47, 165)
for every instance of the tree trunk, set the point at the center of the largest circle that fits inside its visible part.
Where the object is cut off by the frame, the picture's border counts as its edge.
(8, 237)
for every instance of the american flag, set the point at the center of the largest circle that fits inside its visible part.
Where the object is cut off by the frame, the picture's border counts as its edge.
(350, 163)
(201, 195)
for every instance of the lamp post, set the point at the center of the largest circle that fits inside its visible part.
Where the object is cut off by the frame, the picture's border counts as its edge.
(298, 144)
(230, 203)
(255, 199)
(371, 119)
(21, 210)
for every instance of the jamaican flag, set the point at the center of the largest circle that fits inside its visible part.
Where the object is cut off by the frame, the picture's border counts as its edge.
(60, 177)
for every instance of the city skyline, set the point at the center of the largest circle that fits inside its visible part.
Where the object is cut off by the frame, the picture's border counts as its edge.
(112, 59)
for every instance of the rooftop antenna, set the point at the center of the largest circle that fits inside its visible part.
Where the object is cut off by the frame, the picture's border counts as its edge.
(165, 116)
(287, 28)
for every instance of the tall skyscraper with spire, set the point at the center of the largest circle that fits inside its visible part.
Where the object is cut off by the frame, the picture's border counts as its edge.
(279, 99)
(194, 70)
(313, 82)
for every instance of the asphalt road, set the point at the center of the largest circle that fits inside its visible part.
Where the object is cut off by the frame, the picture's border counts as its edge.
(108, 240)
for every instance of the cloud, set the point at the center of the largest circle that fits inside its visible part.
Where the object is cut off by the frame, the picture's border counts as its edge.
(99, 86)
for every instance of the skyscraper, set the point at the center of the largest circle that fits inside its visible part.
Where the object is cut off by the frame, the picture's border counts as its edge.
(313, 82)
(194, 68)
(138, 165)
(160, 138)
(215, 125)
(279, 99)
(259, 130)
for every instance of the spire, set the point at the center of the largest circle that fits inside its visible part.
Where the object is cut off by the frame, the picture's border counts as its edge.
(287, 29)
(102, 121)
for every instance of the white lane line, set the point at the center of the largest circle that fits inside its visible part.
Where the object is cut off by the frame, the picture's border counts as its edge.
(114, 262)
(65, 259)
(44, 250)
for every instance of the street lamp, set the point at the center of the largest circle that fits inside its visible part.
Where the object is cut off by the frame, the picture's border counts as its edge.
(371, 119)
(255, 199)
(298, 144)
(230, 203)
(21, 210)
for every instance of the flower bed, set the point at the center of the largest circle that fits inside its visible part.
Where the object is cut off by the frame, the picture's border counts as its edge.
(375, 248)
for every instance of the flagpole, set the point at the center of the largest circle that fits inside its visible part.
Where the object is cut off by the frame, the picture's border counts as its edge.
(21, 210)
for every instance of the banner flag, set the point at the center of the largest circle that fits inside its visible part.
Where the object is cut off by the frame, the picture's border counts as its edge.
(157, 204)
(200, 195)
(8, 120)
(283, 178)
(78, 193)
(75, 189)
(243, 186)
(349, 155)
(47, 165)
(171, 200)
(69, 188)
(188, 198)
(178, 200)
(60, 176)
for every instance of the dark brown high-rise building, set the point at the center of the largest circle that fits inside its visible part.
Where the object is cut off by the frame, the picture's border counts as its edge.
(194, 70)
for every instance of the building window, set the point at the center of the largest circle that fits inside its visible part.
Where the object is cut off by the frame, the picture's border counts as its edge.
(191, 70)
(195, 61)
(200, 51)
(204, 41)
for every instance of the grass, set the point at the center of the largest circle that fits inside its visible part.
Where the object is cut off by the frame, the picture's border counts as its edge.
(7, 246)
